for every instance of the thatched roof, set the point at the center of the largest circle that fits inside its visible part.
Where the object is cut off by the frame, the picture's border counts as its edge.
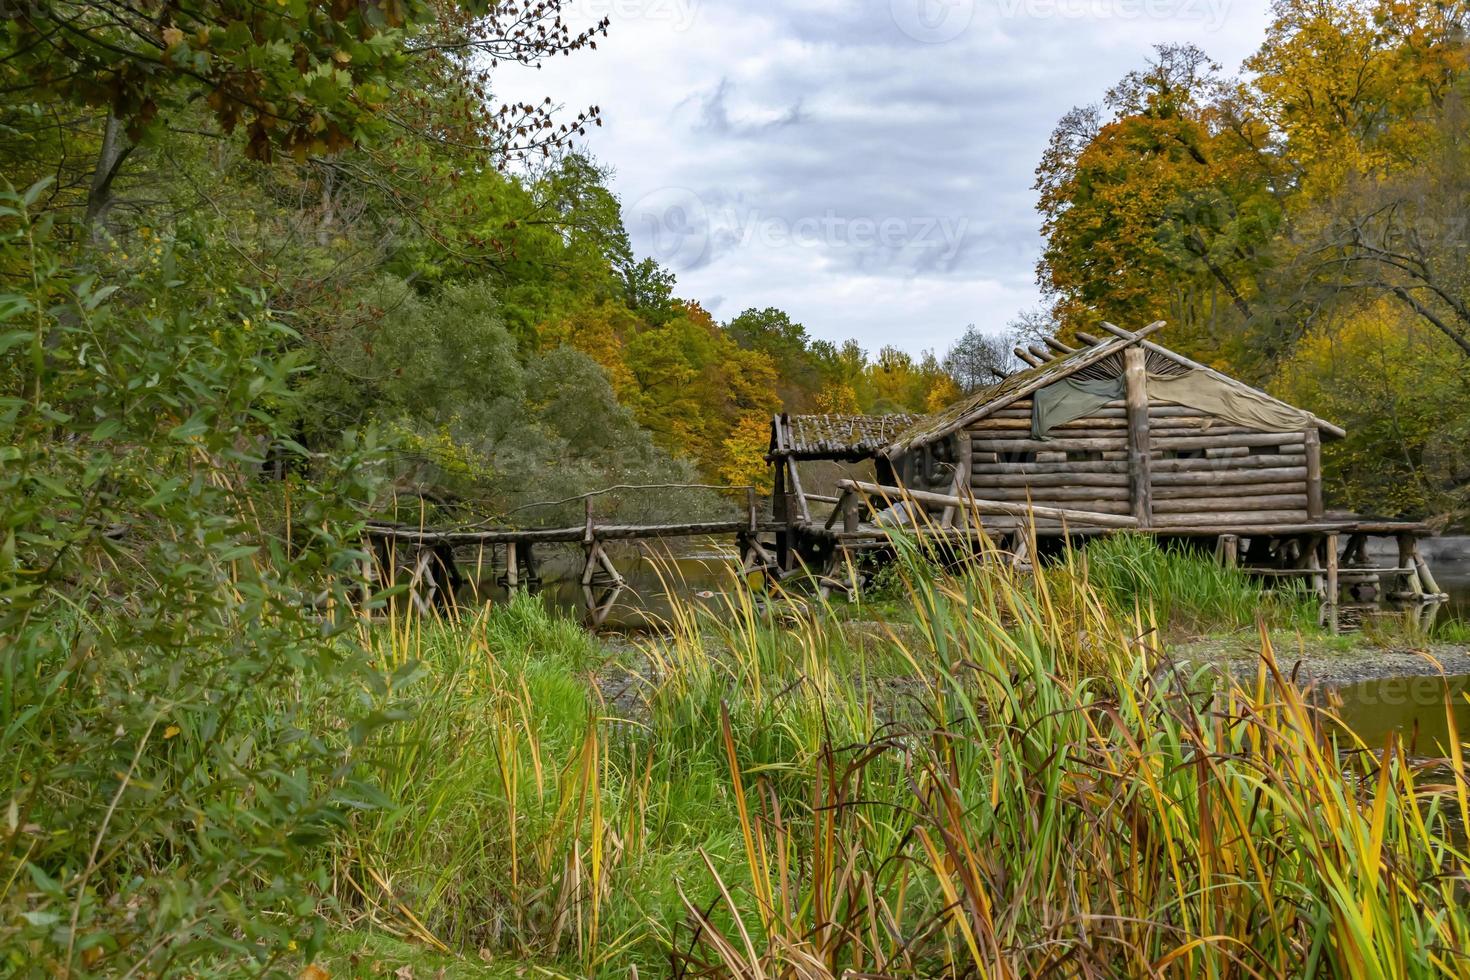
(834, 436)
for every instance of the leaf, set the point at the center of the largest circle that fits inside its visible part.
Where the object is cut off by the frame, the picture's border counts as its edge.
(14, 338)
(170, 732)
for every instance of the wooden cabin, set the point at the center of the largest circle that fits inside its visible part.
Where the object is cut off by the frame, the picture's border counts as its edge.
(1122, 425)
(1118, 432)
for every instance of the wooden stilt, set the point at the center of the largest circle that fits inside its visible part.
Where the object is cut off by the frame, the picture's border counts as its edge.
(1426, 577)
(511, 578)
(1329, 608)
(1227, 550)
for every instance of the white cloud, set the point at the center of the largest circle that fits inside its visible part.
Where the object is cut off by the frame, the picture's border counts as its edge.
(820, 157)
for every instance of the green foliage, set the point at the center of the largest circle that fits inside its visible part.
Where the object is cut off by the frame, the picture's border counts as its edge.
(166, 779)
(480, 425)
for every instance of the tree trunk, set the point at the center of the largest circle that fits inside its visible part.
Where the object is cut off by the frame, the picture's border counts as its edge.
(115, 149)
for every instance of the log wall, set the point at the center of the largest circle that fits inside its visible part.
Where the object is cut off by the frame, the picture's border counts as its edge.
(1201, 470)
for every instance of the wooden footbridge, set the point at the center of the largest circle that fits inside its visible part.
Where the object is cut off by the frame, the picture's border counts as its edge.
(433, 562)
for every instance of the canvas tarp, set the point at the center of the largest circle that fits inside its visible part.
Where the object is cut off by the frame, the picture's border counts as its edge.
(1070, 399)
(1074, 398)
(1214, 395)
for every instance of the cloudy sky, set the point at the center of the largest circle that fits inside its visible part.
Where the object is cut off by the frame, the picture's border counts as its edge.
(865, 165)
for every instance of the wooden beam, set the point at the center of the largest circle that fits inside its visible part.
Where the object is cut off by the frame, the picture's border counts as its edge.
(1135, 399)
(989, 506)
(1090, 340)
(1059, 347)
(1028, 357)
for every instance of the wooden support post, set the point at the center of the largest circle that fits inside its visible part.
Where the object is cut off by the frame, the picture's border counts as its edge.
(511, 580)
(1228, 550)
(780, 499)
(1408, 548)
(1313, 440)
(1329, 608)
(589, 570)
(851, 512)
(1135, 400)
(803, 509)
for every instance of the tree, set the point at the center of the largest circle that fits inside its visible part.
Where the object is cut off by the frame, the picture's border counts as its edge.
(1153, 199)
(306, 78)
(979, 359)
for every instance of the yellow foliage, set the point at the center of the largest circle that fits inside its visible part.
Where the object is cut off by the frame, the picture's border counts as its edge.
(942, 393)
(837, 398)
(742, 460)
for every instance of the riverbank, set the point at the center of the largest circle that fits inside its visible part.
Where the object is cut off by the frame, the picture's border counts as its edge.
(1323, 660)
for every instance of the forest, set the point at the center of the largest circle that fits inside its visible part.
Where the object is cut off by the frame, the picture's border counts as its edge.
(270, 271)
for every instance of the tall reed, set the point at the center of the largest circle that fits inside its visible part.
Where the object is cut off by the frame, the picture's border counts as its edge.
(1011, 778)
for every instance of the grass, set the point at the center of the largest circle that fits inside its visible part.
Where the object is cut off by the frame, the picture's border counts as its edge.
(1012, 780)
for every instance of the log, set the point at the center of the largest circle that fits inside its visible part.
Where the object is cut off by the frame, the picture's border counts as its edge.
(1313, 442)
(1333, 586)
(1140, 483)
(1024, 425)
(1266, 475)
(987, 469)
(1063, 479)
(1056, 493)
(1239, 522)
(1004, 445)
(1094, 504)
(1197, 505)
(1231, 441)
(1244, 490)
(1243, 464)
(1237, 443)
(989, 506)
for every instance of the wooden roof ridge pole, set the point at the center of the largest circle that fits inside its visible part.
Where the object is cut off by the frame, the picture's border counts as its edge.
(1028, 357)
(1180, 359)
(1140, 476)
(981, 506)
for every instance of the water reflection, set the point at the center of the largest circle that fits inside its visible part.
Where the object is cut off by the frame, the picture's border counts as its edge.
(1418, 708)
(700, 572)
